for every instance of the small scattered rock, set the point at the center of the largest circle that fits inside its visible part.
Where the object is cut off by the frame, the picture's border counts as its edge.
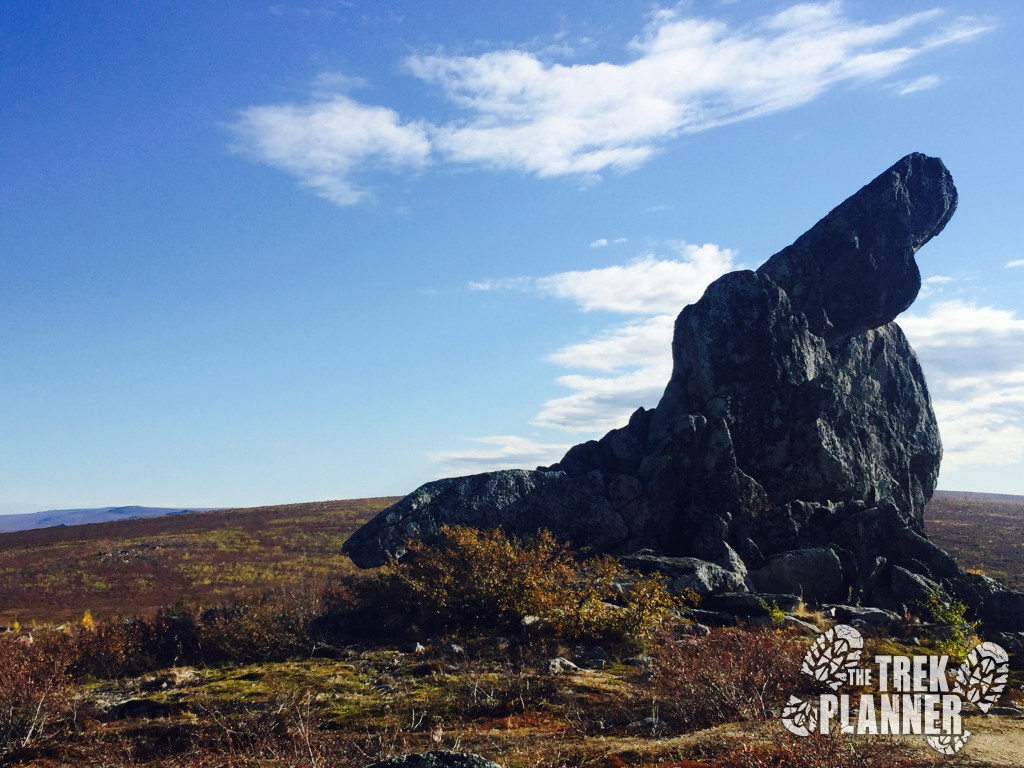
(687, 573)
(651, 724)
(591, 657)
(436, 759)
(711, 618)
(644, 663)
(1014, 712)
(324, 651)
(694, 629)
(869, 617)
(560, 666)
(795, 622)
(742, 604)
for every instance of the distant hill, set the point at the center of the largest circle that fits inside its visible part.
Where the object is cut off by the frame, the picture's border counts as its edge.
(53, 517)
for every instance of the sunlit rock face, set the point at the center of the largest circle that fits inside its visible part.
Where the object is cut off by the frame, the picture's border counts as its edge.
(796, 418)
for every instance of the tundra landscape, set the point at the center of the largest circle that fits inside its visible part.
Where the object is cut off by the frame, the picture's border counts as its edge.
(622, 349)
(264, 647)
(706, 586)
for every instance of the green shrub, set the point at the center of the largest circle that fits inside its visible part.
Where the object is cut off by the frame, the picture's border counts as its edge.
(953, 634)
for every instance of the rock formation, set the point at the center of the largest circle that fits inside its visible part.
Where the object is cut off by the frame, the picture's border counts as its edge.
(794, 447)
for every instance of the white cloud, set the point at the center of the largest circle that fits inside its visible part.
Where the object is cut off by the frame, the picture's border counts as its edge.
(932, 286)
(601, 403)
(688, 75)
(960, 325)
(630, 362)
(634, 359)
(926, 83)
(635, 344)
(501, 452)
(329, 141)
(599, 243)
(1015, 263)
(504, 284)
(973, 357)
(517, 111)
(647, 285)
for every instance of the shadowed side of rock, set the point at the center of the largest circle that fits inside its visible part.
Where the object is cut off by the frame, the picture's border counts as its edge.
(520, 501)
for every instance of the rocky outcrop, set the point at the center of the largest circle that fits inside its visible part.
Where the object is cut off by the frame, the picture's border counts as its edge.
(815, 574)
(520, 501)
(795, 433)
(683, 574)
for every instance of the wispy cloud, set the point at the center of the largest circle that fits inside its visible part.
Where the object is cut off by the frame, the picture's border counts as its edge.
(515, 110)
(625, 365)
(599, 243)
(973, 357)
(1015, 263)
(926, 83)
(934, 285)
(647, 285)
(498, 452)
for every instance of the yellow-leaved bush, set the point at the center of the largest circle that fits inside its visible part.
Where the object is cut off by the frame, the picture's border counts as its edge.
(473, 580)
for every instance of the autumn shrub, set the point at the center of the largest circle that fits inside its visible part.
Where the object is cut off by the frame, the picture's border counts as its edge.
(487, 581)
(35, 696)
(727, 675)
(111, 649)
(176, 635)
(183, 635)
(250, 632)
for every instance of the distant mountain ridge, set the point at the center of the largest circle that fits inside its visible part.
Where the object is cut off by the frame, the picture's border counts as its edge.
(52, 517)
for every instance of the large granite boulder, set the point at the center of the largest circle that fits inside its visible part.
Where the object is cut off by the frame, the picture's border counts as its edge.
(796, 420)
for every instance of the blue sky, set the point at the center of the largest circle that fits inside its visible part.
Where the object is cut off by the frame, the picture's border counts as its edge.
(264, 253)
